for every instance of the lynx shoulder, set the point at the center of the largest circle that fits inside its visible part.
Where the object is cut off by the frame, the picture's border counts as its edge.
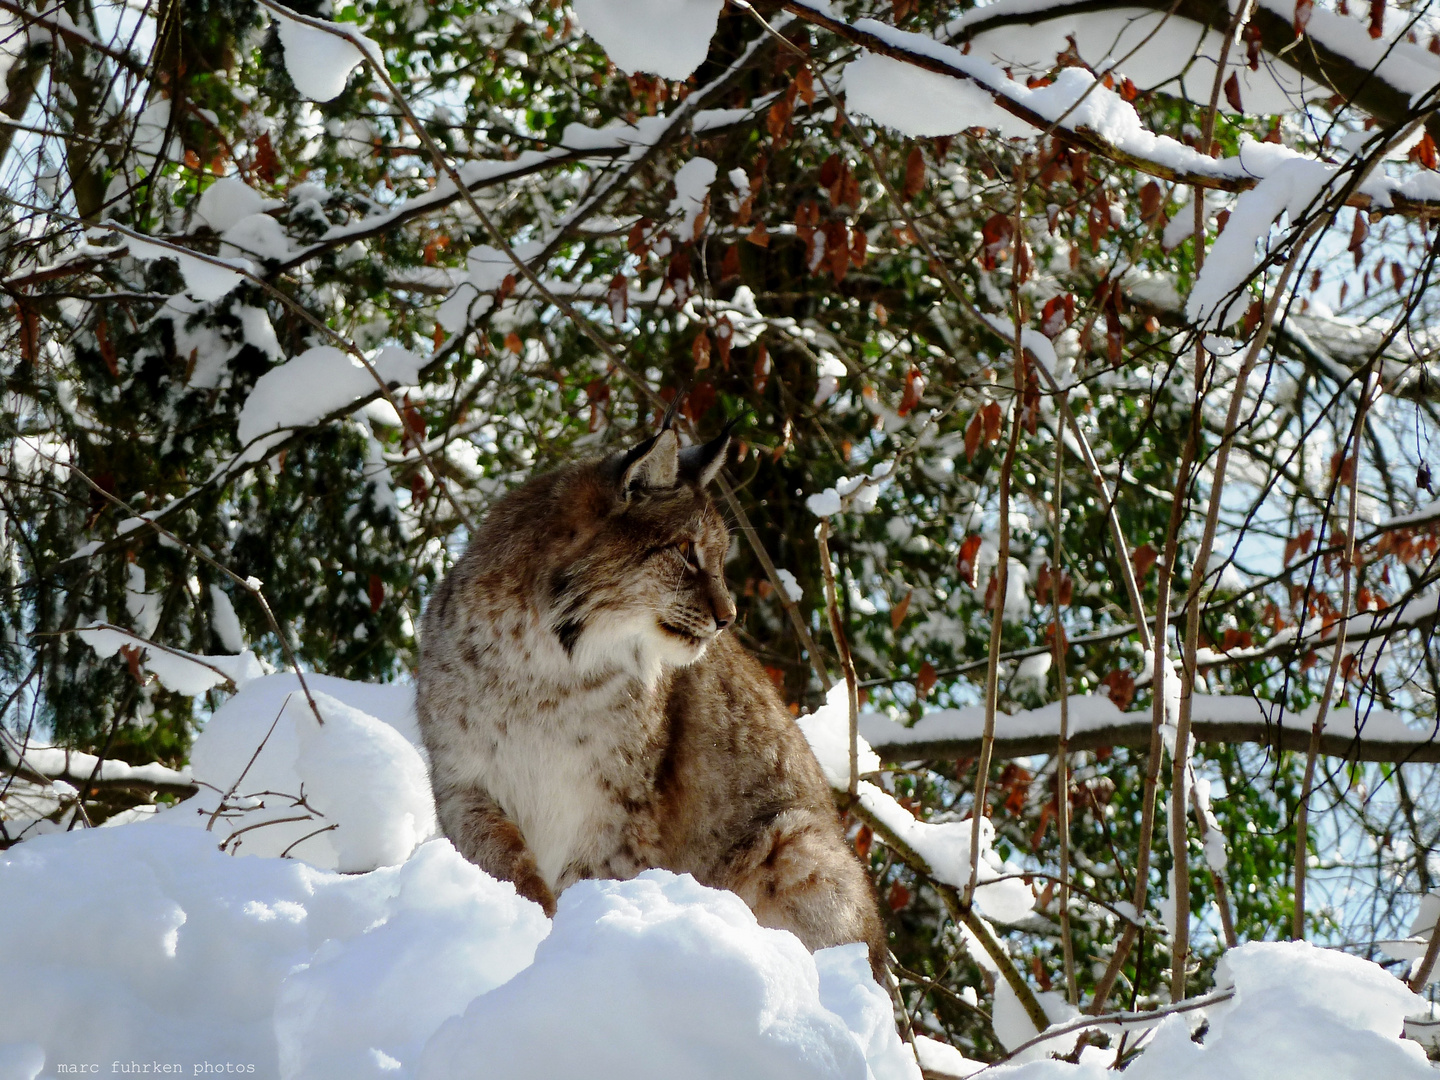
(586, 715)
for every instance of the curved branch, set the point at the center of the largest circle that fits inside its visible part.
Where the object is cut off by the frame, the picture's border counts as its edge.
(1311, 57)
(1163, 158)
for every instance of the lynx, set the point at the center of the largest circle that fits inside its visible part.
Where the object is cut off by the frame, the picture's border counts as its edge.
(586, 715)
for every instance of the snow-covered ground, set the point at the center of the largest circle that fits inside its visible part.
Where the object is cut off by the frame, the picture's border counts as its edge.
(159, 943)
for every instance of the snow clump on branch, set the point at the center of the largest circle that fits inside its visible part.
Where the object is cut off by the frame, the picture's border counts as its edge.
(318, 61)
(670, 38)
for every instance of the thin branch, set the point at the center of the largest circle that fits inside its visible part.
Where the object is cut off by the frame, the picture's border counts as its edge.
(842, 647)
(1347, 566)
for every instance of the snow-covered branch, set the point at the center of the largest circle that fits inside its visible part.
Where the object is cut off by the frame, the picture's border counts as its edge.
(1374, 735)
(886, 85)
(1379, 76)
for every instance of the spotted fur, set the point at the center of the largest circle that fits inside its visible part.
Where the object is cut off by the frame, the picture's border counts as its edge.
(586, 717)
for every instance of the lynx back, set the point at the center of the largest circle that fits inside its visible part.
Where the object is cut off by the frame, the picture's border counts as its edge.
(586, 715)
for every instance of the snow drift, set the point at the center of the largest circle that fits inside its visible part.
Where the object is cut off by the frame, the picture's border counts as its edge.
(145, 943)
(151, 943)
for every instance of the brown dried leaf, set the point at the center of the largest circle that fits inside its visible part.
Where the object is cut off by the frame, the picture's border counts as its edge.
(1121, 687)
(29, 331)
(762, 368)
(858, 241)
(1058, 313)
(974, 432)
(1253, 315)
(993, 418)
(779, 115)
(635, 243)
(1143, 558)
(965, 564)
(1423, 152)
(132, 655)
(1114, 336)
(899, 895)
(730, 264)
(699, 401)
(805, 84)
(914, 388)
(617, 298)
(1023, 262)
(925, 680)
(995, 237)
(1152, 202)
(1303, 8)
(724, 336)
(1232, 92)
(107, 349)
(914, 174)
(1358, 232)
(863, 839)
(900, 610)
(267, 164)
(413, 420)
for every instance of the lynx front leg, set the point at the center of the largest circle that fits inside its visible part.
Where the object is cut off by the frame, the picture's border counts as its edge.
(802, 877)
(483, 834)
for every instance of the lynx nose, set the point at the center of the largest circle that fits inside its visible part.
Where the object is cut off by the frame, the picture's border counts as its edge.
(722, 607)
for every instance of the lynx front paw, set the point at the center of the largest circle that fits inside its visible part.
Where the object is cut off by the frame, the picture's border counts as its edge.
(532, 886)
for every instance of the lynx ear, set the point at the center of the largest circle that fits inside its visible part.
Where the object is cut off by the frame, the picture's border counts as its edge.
(700, 464)
(653, 465)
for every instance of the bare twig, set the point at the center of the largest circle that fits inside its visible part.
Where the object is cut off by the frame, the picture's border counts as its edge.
(1312, 753)
(224, 799)
(1001, 579)
(842, 647)
(1062, 752)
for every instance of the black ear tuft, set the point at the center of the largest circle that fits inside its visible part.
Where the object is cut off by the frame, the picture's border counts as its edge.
(668, 420)
(700, 464)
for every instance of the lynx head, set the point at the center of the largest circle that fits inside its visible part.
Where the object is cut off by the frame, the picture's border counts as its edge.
(641, 578)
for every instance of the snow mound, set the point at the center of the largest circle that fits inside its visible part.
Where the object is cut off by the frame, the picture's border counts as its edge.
(352, 794)
(320, 381)
(621, 967)
(670, 38)
(145, 943)
(259, 235)
(206, 279)
(227, 202)
(1298, 1012)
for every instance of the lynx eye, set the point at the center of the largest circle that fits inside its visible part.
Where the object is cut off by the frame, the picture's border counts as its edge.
(686, 548)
